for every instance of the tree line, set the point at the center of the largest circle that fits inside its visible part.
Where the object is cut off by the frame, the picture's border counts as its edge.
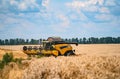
(91, 40)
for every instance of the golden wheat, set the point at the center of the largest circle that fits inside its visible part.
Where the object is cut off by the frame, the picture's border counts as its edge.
(75, 67)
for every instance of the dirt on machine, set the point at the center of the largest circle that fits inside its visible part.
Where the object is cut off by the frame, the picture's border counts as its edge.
(52, 46)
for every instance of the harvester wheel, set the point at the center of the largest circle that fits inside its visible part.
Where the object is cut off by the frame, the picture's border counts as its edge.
(35, 48)
(30, 48)
(69, 53)
(25, 48)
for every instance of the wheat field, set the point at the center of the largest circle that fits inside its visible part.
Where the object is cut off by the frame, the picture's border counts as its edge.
(84, 49)
(94, 61)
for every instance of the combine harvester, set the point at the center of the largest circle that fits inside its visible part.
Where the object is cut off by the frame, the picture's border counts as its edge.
(53, 46)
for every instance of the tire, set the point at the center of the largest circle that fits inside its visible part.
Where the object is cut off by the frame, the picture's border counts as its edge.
(25, 48)
(35, 48)
(30, 48)
(69, 53)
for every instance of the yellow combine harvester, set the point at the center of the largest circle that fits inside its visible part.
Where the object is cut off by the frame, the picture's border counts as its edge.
(53, 46)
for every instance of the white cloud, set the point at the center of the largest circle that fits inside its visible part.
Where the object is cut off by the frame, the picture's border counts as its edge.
(73, 16)
(24, 5)
(62, 23)
(76, 4)
(82, 4)
(17, 26)
(104, 10)
(81, 16)
(100, 2)
(45, 3)
(13, 2)
(19, 6)
(110, 3)
(104, 17)
(12, 20)
(64, 20)
(94, 2)
(91, 8)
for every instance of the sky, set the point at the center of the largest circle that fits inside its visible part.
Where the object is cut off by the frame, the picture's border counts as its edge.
(65, 18)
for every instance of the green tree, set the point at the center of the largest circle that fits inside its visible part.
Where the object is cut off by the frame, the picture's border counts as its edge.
(0, 42)
(27, 41)
(84, 40)
(80, 41)
(66, 40)
(76, 40)
(6, 42)
(17, 41)
(118, 39)
(12, 41)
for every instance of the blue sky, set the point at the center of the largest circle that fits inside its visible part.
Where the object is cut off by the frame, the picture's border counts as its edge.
(64, 18)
